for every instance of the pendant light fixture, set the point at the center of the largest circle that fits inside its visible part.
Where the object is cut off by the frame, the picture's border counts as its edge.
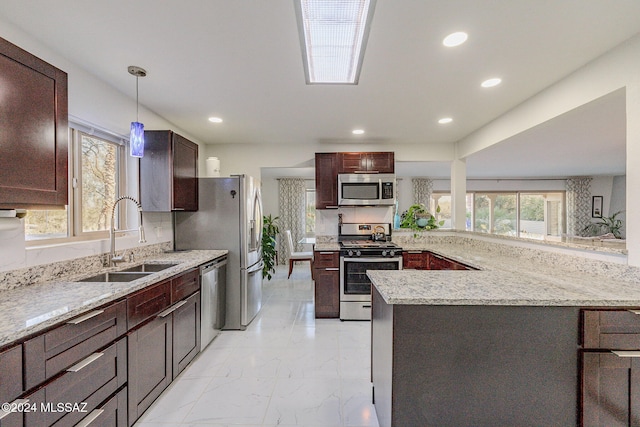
(136, 139)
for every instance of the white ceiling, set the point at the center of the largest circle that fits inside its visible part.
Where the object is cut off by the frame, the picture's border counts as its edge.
(241, 60)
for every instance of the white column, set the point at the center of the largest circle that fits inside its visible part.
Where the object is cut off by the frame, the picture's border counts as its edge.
(632, 222)
(458, 194)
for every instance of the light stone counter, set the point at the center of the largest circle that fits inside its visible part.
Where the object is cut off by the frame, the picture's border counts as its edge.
(509, 276)
(26, 310)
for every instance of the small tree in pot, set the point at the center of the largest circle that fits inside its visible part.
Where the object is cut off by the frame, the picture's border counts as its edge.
(270, 229)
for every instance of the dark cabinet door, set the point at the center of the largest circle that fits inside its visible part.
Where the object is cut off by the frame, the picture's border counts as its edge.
(327, 292)
(11, 383)
(35, 133)
(168, 173)
(326, 180)
(417, 260)
(352, 163)
(185, 174)
(383, 162)
(112, 413)
(610, 390)
(150, 367)
(186, 333)
(367, 162)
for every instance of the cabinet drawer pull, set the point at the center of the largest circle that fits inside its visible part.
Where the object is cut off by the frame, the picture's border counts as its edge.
(84, 363)
(626, 353)
(332, 269)
(332, 207)
(366, 306)
(87, 316)
(634, 311)
(414, 252)
(173, 308)
(90, 418)
(326, 253)
(15, 404)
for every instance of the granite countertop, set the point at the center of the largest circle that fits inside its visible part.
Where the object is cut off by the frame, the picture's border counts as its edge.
(328, 246)
(30, 309)
(501, 280)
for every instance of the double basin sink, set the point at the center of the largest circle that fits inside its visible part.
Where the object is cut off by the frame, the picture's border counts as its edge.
(128, 274)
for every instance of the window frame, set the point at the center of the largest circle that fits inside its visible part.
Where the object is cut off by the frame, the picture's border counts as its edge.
(307, 192)
(74, 207)
(518, 193)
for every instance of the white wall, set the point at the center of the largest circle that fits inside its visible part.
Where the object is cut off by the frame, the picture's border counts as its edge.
(619, 68)
(94, 102)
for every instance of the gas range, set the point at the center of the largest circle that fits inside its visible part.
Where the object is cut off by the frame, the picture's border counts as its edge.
(357, 240)
(363, 247)
(366, 248)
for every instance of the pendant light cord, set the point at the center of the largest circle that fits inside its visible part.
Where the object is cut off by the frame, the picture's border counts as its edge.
(137, 119)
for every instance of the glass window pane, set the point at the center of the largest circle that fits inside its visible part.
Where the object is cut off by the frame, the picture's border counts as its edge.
(504, 212)
(482, 209)
(469, 200)
(99, 182)
(310, 213)
(45, 224)
(444, 202)
(541, 215)
(532, 224)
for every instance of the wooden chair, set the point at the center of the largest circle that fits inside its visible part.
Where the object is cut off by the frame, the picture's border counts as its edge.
(297, 256)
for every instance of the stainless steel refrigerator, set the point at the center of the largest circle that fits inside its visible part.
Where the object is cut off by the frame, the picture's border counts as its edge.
(229, 217)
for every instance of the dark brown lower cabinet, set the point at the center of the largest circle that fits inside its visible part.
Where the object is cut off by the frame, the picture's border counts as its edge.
(112, 413)
(610, 389)
(186, 333)
(150, 366)
(159, 350)
(327, 292)
(83, 387)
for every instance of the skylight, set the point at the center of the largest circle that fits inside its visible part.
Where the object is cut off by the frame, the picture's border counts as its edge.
(333, 35)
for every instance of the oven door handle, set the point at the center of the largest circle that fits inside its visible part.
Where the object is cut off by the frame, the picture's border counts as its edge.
(374, 259)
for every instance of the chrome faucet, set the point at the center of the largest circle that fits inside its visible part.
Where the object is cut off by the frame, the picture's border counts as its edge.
(113, 259)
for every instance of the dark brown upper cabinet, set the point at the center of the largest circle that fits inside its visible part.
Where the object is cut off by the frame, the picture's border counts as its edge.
(367, 162)
(34, 131)
(326, 180)
(168, 173)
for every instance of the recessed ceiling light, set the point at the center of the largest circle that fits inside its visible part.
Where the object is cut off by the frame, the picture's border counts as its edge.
(215, 119)
(455, 39)
(445, 120)
(357, 131)
(333, 37)
(491, 82)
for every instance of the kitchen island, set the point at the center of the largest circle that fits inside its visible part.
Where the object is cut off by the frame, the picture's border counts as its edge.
(499, 346)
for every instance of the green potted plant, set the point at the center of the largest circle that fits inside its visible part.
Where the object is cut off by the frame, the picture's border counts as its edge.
(270, 229)
(417, 217)
(605, 225)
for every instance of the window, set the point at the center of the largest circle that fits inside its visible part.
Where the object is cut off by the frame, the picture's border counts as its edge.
(95, 166)
(99, 182)
(310, 212)
(534, 215)
(496, 213)
(444, 202)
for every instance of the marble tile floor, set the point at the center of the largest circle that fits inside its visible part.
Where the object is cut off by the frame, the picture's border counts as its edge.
(286, 369)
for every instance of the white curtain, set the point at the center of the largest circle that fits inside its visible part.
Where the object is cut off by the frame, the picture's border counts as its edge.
(291, 195)
(578, 205)
(422, 189)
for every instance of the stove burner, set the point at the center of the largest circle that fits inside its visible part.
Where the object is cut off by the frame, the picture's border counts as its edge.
(369, 249)
(367, 244)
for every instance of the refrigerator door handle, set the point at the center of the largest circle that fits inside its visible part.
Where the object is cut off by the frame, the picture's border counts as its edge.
(257, 266)
(252, 233)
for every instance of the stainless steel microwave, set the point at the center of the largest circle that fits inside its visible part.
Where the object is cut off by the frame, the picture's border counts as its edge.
(366, 189)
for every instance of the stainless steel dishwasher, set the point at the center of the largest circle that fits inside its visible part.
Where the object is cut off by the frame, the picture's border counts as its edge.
(213, 280)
